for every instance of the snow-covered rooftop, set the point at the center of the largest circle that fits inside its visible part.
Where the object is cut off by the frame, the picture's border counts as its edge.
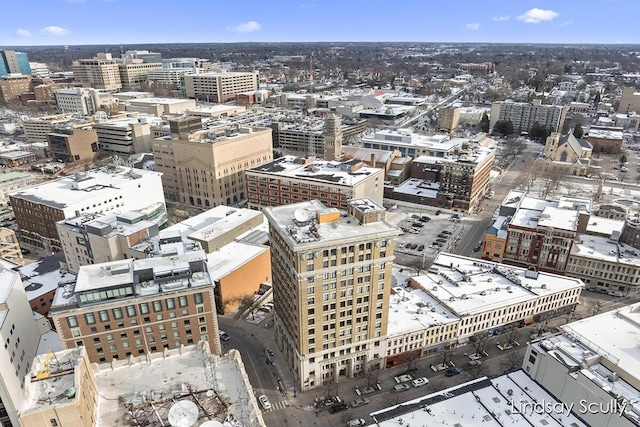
(334, 172)
(415, 310)
(497, 402)
(469, 286)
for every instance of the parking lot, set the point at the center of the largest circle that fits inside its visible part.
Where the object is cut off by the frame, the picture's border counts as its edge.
(426, 232)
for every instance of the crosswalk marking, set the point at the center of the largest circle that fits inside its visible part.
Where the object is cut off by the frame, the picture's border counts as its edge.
(277, 406)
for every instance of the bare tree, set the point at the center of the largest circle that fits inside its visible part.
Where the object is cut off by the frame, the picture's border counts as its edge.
(513, 359)
(477, 371)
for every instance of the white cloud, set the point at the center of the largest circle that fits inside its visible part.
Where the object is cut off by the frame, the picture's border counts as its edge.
(53, 30)
(501, 18)
(246, 27)
(23, 33)
(535, 15)
(472, 27)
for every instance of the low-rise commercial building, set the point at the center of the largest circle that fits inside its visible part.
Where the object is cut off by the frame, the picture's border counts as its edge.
(487, 296)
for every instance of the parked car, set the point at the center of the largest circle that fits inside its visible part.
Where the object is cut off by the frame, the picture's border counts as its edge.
(477, 248)
(418, 224)
(616, 294)
(26, 251)
(401, 387)
(264, 401)
(414, 231)
(359, 402)
(455, 216)
(425, 219)
(452, 372)
(435, 245)
(438, 212)
(446, 232)
(420, 381)
(357, 422)
(421, 248)
(224, 336)
(338, 408)
(475, 362)
(443, 236)
(441, 240)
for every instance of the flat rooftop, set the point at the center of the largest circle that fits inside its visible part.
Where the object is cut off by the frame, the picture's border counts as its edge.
(469, 286)
(230, 257)
(333, 172)
(63, 192)
(215, 384)
(605, 249)
(298, 221)
(415, 310)
(418, 187)
(497, 402)
(613, 333)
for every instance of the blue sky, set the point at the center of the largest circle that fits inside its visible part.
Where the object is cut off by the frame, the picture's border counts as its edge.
(73, 22)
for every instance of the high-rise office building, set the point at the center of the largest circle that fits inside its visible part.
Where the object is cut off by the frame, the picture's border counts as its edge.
(102, 72)
(12, 62)
(219, 87)
(331, 275)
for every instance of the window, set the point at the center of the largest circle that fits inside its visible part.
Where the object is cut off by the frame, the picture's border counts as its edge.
(131, 311)
(117, 313)
(144, 308)
(171, 304)
(89, 318)
(104, 315)
(72, 321)
(157, 306)
(182, 301)
(197, 298)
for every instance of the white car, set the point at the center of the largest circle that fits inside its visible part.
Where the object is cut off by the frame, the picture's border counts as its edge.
(616, 294)
(420, 382)
(356, 422)
(264, 401)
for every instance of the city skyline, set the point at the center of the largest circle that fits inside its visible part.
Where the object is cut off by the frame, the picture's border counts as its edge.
(85, 22)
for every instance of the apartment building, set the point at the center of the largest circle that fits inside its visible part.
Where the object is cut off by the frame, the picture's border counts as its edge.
(131, 307)
(629, 100)
(523, 115)
(331, 278)
(448, 119)
(206, 168)
(295, 179)
(68, 145)
(487, 297)
(102, 72)
(219, 87)
(108, 189)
